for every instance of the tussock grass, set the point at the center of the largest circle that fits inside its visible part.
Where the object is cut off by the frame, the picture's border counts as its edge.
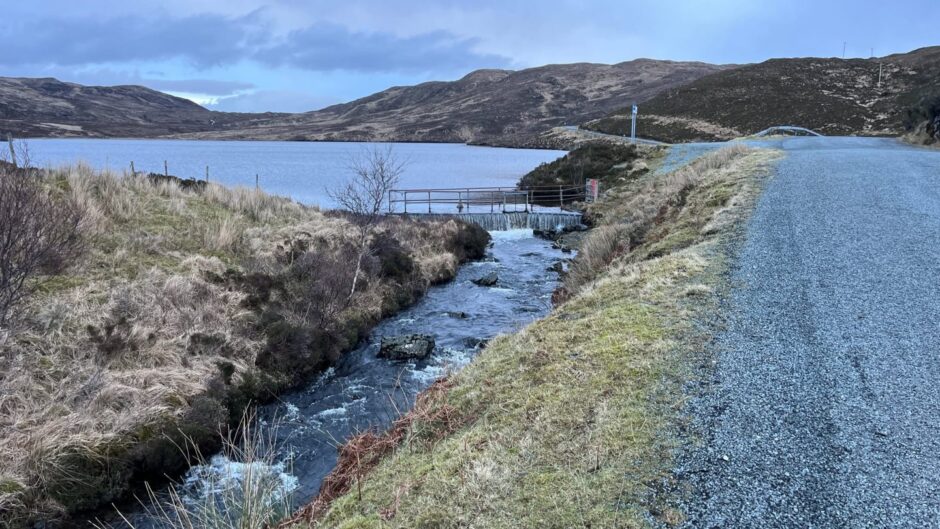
(572, 421)
(245, 489)
(186, 305)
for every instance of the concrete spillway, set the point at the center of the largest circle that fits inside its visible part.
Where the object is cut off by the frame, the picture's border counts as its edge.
(510, 221)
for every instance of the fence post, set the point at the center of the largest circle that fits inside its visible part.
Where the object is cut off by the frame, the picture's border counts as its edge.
(389, 200)
(406, 201)
(12, 151)
(133, 172)
(166, 169)
(561, 197)
(468, 200)
(207, 174)
(256, 181)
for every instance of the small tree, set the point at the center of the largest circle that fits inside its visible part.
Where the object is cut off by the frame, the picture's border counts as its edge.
(39, 234)
(376, 172)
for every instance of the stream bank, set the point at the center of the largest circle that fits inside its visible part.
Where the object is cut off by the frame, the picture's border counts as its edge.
(364, 392)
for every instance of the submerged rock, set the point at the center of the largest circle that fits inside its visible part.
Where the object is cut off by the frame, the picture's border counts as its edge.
(475, 343)
(488, 280)
(407, 347)
(459, 314)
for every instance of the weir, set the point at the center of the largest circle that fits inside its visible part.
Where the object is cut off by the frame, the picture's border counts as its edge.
(516, 220)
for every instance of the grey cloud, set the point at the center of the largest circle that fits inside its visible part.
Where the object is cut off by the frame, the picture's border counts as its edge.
(205, 40)
(333, 47)
(208, 40)
(210, 87)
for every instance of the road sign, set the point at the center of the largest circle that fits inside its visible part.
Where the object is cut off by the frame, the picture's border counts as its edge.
(633, 124)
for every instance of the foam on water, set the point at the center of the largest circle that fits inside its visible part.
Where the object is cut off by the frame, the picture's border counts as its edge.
(224, 477)
(496, 222)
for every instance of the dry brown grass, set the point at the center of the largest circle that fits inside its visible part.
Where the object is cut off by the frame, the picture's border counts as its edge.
(162, 314)
(639, 214)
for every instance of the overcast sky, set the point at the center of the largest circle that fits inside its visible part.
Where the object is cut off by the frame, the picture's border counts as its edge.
(297, 55)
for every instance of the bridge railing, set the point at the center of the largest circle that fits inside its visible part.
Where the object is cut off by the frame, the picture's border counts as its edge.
(482, 199)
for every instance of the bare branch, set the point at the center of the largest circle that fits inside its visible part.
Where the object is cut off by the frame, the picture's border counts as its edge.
(376, 171)
(39, 234)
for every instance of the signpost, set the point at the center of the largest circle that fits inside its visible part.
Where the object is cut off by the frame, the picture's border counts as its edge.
(633, 125)
(591, 190)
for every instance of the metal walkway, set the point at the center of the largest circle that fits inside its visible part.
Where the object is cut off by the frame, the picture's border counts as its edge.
(482, 199)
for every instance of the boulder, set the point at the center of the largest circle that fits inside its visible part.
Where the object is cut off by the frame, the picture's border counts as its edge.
(407, 347)
(557, 266)
(548, 235)
(475, 343)
(488, 280)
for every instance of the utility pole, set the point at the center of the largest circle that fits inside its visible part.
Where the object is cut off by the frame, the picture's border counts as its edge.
(633, 125)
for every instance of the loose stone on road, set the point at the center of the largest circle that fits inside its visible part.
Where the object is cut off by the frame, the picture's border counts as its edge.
(824, 410)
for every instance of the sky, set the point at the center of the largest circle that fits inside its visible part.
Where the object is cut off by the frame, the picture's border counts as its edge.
(300, 55)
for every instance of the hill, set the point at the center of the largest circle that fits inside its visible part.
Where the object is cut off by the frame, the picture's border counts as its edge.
(831, 96)
(498, 107)
(47, 107)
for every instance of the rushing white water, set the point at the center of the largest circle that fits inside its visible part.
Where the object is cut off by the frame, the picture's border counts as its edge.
(497, 222)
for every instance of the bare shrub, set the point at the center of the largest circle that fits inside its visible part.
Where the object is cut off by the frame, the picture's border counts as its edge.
(376, 172)
(39, 234)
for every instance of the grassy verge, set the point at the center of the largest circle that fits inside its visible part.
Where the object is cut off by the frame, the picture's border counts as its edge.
(186, 306)
(572, 421)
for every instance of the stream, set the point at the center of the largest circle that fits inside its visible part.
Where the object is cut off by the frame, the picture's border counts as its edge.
(364, 392)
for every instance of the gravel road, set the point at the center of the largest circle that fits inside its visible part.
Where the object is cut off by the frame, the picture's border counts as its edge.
(824, 406)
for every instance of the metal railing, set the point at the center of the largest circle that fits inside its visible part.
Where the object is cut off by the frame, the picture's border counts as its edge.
(482, 199)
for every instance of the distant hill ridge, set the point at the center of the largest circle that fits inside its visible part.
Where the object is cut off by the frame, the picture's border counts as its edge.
(500, 107)
(831, 96)
(680, 101)
(46, 107)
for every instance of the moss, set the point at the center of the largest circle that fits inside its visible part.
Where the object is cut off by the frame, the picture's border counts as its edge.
(84, 478)
(10, 486)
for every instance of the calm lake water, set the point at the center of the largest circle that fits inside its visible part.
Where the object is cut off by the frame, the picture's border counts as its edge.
(301, 170)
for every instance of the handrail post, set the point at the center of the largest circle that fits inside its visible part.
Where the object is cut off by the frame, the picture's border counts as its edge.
(406, 202)
(561, 197)
(429, 202)
(468, 200)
